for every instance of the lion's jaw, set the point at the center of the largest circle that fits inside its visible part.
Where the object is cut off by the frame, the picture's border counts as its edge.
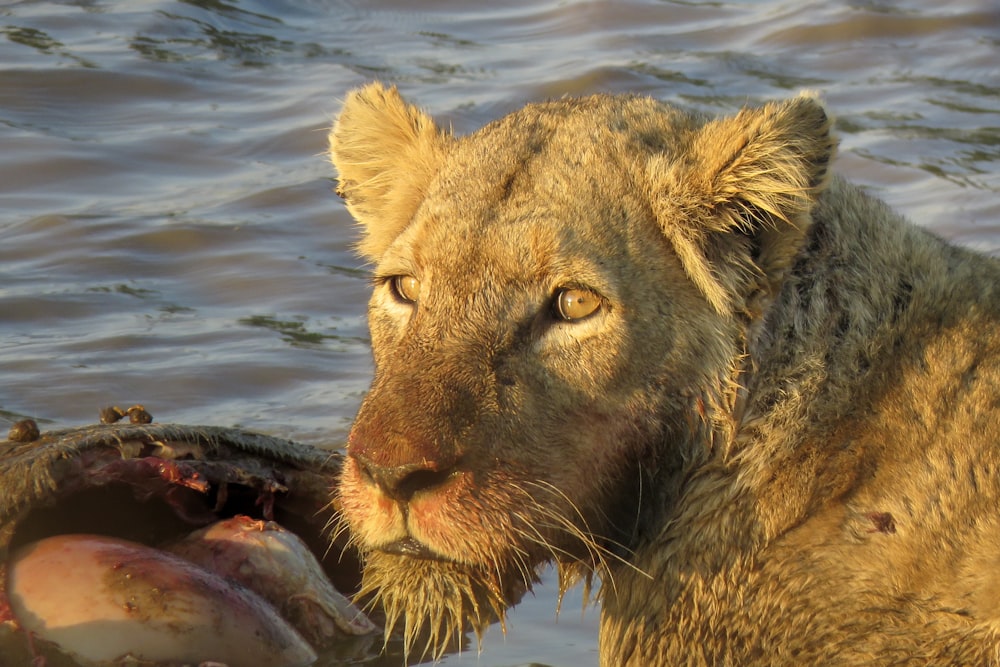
(425, 563)
(456, 553)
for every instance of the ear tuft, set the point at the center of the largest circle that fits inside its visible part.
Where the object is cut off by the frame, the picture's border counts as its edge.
(737, 204)
(386, 152)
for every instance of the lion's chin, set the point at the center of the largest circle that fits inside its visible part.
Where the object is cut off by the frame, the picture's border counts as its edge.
(438, 600)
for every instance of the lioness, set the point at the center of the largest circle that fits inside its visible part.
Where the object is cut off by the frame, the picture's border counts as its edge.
(677, 352)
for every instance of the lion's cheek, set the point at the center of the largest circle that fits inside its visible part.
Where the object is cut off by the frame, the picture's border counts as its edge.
(374, 518)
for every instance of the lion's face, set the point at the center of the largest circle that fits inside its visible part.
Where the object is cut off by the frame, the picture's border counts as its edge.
(537, 338)
(510, 414)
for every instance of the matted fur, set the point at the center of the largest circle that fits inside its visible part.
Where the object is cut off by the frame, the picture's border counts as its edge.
(776, 440)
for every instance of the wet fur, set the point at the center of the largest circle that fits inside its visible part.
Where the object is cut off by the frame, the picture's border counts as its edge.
(776, 440)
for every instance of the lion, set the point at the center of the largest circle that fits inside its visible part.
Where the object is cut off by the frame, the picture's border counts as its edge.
(680, 355)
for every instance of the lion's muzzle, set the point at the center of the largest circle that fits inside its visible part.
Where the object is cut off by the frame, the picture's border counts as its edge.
(399, 465)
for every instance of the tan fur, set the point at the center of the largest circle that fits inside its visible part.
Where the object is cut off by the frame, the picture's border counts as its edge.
(775, 441)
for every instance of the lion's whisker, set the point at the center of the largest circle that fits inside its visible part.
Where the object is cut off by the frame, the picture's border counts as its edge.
(578, 532)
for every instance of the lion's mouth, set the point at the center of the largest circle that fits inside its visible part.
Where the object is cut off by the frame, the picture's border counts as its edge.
(411, 547)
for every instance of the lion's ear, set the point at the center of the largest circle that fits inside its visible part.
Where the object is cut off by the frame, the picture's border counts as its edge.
(736, 205)
(386, 153)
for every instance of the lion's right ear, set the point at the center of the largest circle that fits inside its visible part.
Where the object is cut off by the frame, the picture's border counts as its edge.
(386, 153)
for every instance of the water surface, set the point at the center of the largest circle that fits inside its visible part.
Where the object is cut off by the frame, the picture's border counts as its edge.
(168, 234)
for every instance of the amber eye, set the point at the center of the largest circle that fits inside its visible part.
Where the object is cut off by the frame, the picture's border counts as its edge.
(575, 304)
(406, 288)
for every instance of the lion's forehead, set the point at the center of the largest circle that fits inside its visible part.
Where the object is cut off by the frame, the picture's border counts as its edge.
(536, 251)
(527, 228)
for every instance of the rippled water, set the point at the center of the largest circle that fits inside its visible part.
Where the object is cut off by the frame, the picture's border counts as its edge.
(168, 234)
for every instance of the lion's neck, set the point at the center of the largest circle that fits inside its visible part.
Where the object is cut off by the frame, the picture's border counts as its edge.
(773, 454)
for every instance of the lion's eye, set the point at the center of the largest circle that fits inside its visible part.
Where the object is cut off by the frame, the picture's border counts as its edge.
(406, 288)
(575, 304)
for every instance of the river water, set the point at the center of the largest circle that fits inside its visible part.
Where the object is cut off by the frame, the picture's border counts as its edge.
(168, 233)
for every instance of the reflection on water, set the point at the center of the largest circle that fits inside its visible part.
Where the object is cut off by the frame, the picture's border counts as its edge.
(168, 232)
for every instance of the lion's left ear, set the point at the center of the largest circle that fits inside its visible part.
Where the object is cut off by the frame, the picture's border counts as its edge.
(736, 205)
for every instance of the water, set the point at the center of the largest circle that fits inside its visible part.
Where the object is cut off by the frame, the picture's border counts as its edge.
(168, 234)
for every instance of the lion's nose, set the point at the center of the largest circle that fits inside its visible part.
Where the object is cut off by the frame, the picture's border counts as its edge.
(401, 482)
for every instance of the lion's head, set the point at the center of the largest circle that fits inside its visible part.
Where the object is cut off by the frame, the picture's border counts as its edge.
(560, 309)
